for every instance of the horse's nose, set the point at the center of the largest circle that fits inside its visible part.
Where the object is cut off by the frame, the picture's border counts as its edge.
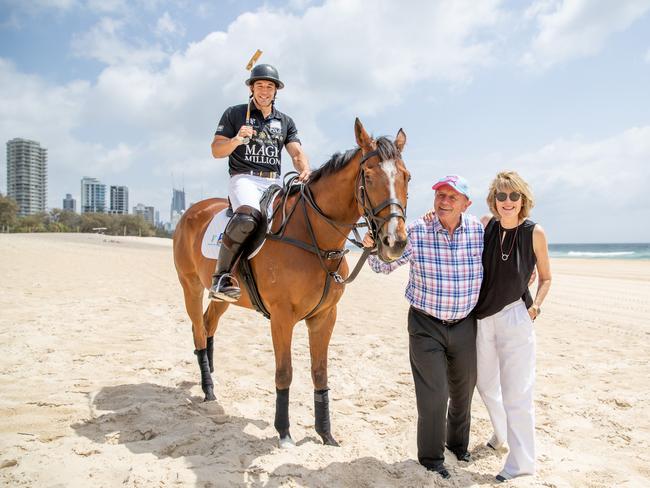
(393, 243)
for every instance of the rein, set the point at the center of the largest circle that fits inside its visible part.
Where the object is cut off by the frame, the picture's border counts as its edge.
(370, 215)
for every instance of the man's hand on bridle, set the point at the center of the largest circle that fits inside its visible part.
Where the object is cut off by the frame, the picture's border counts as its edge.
(368, 241)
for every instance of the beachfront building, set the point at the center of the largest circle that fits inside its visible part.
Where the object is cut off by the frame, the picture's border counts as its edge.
(147, 213)
(177, 207)
(69, 203)
(27, 175)
(119, 200)
(93, 195)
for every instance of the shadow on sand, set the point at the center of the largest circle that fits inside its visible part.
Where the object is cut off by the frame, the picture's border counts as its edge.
(221, 449)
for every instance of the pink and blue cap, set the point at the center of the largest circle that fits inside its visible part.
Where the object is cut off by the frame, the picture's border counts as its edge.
(457, 182)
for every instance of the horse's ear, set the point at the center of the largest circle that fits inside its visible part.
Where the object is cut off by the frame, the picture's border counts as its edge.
(400, 140)
(363, 139)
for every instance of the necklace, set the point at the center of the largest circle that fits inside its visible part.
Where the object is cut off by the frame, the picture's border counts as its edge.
(504, 256)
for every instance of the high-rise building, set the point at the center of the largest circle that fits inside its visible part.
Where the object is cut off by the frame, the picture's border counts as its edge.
(27, 175)
(69, 203)
(93, 195)
(178, 206)
(119, 201)
(146, 212)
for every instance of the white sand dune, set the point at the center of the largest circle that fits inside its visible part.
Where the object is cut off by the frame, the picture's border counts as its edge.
(99, 385)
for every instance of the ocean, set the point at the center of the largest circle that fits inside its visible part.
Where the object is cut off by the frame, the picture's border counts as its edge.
(600, 251)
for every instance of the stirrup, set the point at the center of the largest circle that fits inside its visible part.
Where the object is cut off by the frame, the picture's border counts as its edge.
(225, 294)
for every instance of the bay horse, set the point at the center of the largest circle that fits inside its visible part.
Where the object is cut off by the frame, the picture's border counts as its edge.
(298, 276)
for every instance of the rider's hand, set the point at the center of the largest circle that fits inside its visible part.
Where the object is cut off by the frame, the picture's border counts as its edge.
(428, 217)
(304, 175)
(368, 241)
(245, 131)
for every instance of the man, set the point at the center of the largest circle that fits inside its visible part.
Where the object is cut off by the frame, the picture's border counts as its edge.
(443, 287)
(253, 148)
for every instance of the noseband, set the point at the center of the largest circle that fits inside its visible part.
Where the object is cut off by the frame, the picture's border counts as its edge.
(370, 212)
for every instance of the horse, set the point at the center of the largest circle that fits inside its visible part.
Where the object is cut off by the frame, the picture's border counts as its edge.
(301, 273)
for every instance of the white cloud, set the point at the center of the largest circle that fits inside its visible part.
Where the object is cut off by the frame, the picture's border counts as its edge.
(106, 6)
(149, 113)
(105, 43)
(577, 28)
(592, 191)
(166, 26)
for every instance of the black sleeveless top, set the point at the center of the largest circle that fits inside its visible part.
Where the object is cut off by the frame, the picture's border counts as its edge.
(506, 281)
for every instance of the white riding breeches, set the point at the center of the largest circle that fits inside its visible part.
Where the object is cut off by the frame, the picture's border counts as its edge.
(505, 351)
(248, 189)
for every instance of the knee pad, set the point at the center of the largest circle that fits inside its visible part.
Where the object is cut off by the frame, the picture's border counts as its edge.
(243, 223)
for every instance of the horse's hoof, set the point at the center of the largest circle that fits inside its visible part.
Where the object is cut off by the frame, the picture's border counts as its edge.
(209, 396)
(287, 442)
(328, 440)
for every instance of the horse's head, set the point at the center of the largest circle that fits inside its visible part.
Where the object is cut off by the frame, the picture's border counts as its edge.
(382, 191)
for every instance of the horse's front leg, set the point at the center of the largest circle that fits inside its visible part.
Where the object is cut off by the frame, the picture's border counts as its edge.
(320, 331)
(282, 332)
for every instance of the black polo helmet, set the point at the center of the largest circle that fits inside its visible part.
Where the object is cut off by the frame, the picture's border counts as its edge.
(265, 72)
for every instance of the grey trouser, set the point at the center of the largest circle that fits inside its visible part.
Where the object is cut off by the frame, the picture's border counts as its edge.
(443, 362)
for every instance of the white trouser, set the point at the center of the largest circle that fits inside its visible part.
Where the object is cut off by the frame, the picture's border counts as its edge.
(248, 189)
(505, 350)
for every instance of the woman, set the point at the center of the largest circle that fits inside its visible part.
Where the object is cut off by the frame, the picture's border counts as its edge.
(505, 342)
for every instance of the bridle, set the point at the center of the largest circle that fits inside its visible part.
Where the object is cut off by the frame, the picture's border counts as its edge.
(371, 215)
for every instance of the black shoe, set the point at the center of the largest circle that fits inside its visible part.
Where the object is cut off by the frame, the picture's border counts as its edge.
(503, 476)
(441, 470)
(224, 288)
(463, 456)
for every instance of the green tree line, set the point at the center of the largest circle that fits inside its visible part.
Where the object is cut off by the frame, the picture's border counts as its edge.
(57, 220)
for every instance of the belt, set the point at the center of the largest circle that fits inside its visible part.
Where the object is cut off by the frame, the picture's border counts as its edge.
(449, 322)
(263, 174)
(446, 323)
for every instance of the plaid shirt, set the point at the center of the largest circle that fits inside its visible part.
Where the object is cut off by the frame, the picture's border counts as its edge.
(445, 276)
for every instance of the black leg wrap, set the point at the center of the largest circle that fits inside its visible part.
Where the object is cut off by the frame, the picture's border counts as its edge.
(282, 412)
(210, 349)
(206, 379)
(322, 417)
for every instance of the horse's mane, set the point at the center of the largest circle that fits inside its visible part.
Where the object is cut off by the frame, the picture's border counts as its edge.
(385, 148)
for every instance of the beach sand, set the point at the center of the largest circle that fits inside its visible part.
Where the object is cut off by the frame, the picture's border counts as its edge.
(99, 385)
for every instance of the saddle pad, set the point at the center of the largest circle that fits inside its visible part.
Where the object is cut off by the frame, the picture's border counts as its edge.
(213, 236)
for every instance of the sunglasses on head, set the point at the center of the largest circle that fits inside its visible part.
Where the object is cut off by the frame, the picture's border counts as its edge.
(502, 196)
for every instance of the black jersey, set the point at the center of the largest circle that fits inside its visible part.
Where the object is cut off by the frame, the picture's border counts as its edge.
(263, 151)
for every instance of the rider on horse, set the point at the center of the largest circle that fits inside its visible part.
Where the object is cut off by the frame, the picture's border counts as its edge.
(253, 148)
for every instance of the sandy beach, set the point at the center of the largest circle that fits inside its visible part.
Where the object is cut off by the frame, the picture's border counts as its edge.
(99, 384)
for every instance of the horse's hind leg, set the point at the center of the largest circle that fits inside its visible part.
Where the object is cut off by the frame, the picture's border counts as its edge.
(320, 329)
(193, 292)
(211, 320)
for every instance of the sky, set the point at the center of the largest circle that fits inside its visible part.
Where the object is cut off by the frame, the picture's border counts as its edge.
(130, 92)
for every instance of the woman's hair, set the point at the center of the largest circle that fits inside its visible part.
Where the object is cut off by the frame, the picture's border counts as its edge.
(508, 181)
